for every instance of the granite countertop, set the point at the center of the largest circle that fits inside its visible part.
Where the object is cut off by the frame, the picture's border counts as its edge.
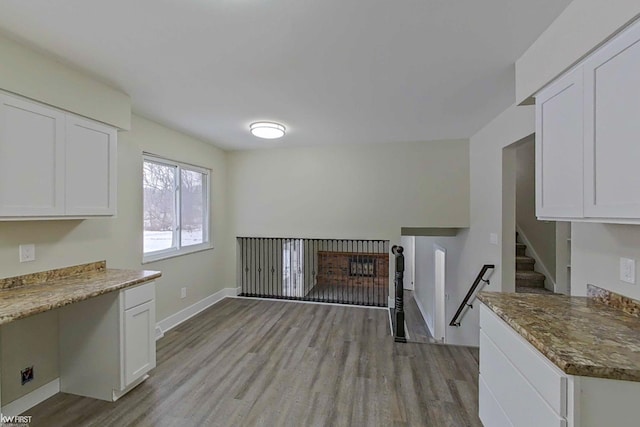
(24, 296)
(583, 336)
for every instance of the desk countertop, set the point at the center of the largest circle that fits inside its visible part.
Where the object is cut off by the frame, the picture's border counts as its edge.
(24, 296)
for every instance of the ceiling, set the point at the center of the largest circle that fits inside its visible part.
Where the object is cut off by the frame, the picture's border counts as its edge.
(332, 71)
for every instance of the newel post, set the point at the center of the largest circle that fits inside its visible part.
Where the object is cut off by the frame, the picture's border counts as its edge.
(399, 332)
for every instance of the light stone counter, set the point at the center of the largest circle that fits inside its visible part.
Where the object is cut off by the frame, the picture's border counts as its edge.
(596, 336)
(24, 296)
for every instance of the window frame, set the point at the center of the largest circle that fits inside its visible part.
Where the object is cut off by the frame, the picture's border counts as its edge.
(177, 249)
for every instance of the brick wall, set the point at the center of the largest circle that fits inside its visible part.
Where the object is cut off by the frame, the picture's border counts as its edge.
(333, 269)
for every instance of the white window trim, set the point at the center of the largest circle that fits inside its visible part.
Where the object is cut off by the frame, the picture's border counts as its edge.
(178, 250)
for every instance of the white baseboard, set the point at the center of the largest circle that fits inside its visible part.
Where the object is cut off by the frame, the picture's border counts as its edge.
(30, 400)
(539, 264)
(311, 302)
(159, 332)
(187, 313)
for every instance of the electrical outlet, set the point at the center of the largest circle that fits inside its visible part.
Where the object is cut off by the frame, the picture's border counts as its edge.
(628, 270)
(183, 293)
(27, 253)
(26, 375)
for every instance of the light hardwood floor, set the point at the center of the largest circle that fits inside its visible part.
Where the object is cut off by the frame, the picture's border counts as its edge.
(250, 362)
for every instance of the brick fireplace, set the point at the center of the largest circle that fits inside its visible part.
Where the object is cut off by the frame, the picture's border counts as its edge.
(353, 269)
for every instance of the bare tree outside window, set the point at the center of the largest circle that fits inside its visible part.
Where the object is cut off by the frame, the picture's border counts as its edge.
(159, 206)
(176, 207)
(192, 219)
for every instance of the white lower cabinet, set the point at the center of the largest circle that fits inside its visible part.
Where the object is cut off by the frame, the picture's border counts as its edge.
(107, 343)
(139, 343)
(520, 387)
(520, 401)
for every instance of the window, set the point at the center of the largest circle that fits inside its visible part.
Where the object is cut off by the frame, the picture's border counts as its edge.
(176, 208)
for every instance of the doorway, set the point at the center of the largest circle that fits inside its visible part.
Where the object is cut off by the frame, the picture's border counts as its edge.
(534, 255)
(409, 245)
(440, 263)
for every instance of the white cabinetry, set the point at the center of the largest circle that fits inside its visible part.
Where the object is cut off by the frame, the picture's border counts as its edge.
(54, 164)
(519, 386)
(139, 324)
(612, 128)
(587, 133)
(527, 389)
(107, 343)
(31, 158)
(90, 168)
(559, 162)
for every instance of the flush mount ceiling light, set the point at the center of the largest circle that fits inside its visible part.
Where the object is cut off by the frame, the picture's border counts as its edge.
(267, 130)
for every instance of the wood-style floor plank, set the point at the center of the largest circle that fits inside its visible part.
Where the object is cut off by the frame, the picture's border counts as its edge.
(247, 362)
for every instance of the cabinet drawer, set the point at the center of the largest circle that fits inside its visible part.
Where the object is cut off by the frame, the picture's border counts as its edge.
(519, 400)
(139, 295)
(491, 413)
(549, 381)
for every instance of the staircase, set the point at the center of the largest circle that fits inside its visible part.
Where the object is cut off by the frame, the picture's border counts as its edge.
(528, 280)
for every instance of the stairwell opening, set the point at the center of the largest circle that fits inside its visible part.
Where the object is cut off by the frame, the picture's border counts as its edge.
(535, 254)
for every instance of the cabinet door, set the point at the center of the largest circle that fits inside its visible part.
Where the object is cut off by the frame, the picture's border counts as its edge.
(139, 352)
(90, 168)
(559, 148)
(612, 128)
(31, 159)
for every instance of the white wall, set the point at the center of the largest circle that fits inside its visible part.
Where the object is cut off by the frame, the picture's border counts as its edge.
(596, 250)
(38, 76)
(350, 192)
(487, 209)
(583, 26)
(425, 280)
(540, 234)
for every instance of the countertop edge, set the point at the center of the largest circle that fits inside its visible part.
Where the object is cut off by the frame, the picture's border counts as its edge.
(569, 368)
(48, 307)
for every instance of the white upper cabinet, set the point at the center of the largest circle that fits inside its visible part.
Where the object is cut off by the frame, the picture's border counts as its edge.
(588, 137)
(559, 163)
(612, 128)
(31, 158)
(54, 164)
(91, 168)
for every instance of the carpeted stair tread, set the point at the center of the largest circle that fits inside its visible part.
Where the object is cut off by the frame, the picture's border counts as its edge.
(531, 279)
(529, 275)
(531, 290)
